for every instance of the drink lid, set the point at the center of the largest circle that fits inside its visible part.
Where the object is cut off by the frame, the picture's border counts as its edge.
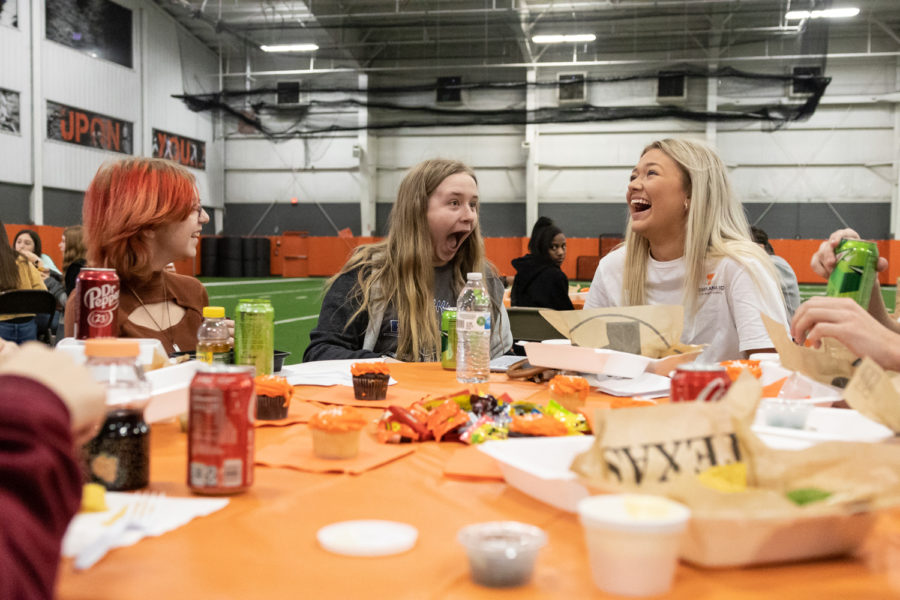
(475, 276)
(213, 312)
(111, 347)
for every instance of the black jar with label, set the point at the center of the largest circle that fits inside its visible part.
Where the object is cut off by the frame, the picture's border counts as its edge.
(118, 457)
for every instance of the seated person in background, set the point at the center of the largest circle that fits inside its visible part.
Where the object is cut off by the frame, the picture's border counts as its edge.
(49, 407)
(387, 299)
(688, 242)
(871, 333)
(140, 214)
(17, 273)
(790, 289)
(539, 279)
(28, 243)
(74, 253)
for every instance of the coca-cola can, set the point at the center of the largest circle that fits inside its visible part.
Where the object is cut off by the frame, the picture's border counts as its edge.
(97, 306)
(221, 413)
(695, 382)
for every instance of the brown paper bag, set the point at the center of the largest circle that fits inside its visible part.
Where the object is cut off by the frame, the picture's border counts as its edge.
(652, 330)
(876, 394)
(831, 364)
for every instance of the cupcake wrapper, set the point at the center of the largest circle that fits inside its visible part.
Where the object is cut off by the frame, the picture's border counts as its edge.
(270, 408)
(370, 386)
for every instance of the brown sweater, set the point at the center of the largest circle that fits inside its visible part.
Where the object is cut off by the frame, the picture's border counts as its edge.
(186, 292)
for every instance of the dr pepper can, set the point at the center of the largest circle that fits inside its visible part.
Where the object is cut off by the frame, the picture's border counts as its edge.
(97, 303)
(221, 413)
(696, 382)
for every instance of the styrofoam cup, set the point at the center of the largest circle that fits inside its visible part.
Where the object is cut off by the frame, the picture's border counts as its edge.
(633, 541)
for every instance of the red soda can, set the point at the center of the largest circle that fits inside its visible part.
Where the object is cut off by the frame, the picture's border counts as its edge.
(695, 382)
(97, 306)
(221, 413)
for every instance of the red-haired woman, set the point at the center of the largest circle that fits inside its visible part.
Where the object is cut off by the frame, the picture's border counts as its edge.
(139, 215)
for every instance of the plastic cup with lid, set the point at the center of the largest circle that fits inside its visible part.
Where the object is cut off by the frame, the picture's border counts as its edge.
(633, 541)
(502, 553)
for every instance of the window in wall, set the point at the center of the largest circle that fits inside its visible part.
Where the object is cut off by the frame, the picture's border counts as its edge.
(99, 28)
(9, 112)
(9, 13)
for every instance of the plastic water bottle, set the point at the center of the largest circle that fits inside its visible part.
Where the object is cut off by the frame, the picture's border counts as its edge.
(212, 337)
(119, 455)
(473, 331)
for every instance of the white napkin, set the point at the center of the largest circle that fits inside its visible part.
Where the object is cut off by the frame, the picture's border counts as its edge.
(648, 385)
(169, 514)
(325, 372)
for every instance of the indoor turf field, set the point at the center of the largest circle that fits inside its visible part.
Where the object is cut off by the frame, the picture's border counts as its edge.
(297, 301)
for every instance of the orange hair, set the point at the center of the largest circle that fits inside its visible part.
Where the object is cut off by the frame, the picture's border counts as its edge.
(126, 199)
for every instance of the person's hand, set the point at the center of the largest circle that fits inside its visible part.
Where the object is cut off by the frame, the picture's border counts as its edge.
(823, 260)
(230, 323)
(849, 323)
(84, 397)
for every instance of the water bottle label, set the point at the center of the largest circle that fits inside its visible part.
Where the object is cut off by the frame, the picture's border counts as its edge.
(472, 321)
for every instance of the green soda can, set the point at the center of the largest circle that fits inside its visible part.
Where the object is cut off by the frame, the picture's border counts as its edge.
(254, 335)
(448, 339)
(854, 272)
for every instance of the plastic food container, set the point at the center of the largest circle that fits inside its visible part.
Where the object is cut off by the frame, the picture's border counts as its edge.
(502, 553)
(633, 541)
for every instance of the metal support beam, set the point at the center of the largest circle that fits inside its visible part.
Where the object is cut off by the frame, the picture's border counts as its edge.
(38, 118)
(364, 151)
(530, 147)
(895, 155)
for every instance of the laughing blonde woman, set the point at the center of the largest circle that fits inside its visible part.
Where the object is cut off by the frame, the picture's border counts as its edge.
(688, 242)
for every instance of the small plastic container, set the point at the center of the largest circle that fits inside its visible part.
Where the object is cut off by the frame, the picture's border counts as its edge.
(502, 553)
(633, 541)
(782, 412)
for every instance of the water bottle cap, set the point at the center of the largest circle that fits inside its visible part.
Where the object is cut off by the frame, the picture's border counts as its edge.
(213, 312)
(111, 347)
(474, 276)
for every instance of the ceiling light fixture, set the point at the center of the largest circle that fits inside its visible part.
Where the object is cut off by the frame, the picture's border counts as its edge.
(829, 13)
(289, 48)
(563, 39)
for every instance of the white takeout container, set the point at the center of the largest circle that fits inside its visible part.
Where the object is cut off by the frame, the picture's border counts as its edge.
(148, 347)
(170, 390)
(599, 360)
(821, 425)
(539, 467)
(169, 386)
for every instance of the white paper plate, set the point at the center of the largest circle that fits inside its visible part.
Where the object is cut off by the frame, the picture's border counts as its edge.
(367, 538)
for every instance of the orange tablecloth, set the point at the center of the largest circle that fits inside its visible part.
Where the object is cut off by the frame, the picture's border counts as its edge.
(263, 545)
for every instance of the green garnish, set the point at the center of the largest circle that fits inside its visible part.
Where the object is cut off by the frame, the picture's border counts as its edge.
(804, 496)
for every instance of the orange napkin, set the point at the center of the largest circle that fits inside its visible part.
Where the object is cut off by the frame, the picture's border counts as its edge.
(470, 463)
(343, 394)
(299, 411)
(296, 452)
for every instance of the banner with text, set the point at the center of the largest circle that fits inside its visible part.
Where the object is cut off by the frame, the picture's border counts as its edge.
(85, 128)
(183, 150)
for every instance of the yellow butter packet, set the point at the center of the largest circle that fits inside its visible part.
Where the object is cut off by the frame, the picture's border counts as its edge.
(93, 498)
(725, 478)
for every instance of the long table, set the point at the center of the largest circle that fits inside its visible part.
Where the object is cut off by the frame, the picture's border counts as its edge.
(263, 544)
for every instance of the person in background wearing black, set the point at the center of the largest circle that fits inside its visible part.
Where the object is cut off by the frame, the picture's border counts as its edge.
(539, 279)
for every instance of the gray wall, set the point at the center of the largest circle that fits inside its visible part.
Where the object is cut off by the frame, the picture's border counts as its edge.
(14, 203)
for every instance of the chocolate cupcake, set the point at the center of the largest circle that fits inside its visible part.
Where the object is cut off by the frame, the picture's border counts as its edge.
(370, 380)
(273, 397)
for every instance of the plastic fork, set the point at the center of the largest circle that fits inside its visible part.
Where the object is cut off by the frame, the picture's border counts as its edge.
(140, 514)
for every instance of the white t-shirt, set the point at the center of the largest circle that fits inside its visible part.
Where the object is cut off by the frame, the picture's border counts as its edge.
(727, 316)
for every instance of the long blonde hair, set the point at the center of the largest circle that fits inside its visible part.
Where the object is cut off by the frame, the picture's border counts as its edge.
(399, 270)
(716, 225)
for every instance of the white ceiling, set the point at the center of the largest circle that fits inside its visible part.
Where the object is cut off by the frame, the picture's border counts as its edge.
(375, 35)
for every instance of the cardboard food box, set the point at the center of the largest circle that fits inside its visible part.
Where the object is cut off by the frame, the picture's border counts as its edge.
(621, 341)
